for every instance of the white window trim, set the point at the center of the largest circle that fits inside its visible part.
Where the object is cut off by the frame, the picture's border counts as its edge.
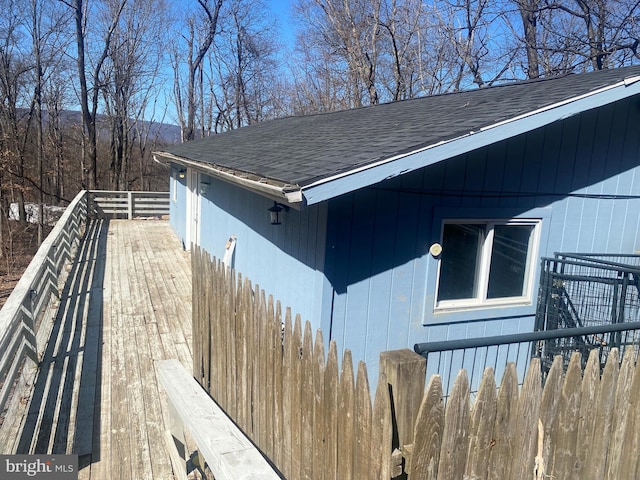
(480, 300)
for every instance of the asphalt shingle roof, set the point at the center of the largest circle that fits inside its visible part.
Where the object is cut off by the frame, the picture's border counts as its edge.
(301, 150)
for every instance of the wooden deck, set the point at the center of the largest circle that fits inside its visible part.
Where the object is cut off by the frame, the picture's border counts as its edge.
(125, 305)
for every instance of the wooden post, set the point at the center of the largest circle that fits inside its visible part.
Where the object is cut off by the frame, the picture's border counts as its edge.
(129, 205)
(405, 372)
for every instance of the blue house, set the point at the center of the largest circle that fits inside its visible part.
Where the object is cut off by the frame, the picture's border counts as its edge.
(422, 220)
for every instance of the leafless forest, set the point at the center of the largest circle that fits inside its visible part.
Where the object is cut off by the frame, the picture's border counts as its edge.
(86, 84)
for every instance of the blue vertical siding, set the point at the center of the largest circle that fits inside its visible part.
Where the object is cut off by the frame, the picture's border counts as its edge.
(378, 238)
(285, 260)
(359, 268)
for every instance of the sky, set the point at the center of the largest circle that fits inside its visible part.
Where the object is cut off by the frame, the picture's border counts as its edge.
(282, 11)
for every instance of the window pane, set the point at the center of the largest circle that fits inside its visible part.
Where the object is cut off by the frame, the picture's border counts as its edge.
(459, 262)
(509, 260)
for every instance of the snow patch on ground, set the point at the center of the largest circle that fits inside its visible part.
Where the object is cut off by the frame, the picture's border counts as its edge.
(51, 213)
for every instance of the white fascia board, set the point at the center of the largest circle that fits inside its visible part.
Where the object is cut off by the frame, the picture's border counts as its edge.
(367, 175)
(289, 194)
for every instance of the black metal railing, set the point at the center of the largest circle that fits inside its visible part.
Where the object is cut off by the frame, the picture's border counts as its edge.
(581, 290)
(446, 358)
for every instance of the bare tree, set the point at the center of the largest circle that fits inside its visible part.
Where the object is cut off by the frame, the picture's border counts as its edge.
(89, 93)
(350, 30)
(529, 11)
(199, 39)
(243, 69)
(130, 78)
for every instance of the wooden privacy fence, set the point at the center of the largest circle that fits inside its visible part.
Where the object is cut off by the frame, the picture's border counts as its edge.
(315, 419)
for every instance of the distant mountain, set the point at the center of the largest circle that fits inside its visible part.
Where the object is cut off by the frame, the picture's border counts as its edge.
(164, 132)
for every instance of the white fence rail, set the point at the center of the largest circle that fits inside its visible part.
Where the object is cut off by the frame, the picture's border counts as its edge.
(130, 204)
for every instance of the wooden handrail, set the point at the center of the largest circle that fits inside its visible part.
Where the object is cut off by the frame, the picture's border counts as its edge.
(33, 292)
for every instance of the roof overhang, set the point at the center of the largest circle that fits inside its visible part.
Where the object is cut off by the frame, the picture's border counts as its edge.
(278, 191)
(371, 174)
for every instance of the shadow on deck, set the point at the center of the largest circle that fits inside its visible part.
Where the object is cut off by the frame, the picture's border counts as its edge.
(125, 304)
(67, 389)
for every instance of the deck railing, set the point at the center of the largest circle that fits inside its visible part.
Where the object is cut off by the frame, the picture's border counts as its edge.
(21, 338)
(116, 204)
(29, 298)
(446, 358)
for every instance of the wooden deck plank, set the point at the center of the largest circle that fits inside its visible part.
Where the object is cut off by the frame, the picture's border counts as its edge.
(120, 448)
(126, 304)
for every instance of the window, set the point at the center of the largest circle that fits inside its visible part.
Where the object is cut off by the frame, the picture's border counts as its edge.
(486, 262)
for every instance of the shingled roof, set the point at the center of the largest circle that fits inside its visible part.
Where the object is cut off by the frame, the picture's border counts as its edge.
(291, 157)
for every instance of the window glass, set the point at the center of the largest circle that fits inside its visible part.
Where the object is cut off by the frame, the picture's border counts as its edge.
(484, 262)
(459, 262)
(508, 267)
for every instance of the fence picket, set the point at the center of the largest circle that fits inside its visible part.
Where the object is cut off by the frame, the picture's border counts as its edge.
(621, 417)
(287, 396)
(549, 412)
(278, 398)
(563, 464)
(483, 417)
(268, 395)
(362, 426)
(428, 433)
(230, 344)
(247, 354)
(589, 393)
(381, 431)
(504, 431)
(241, 353)
(296, 415)
(307, 395)
(346, 407)
(631, 442)
(331, 385)
(527, 423)
(602, 430)
(319, 434)
(455, 438)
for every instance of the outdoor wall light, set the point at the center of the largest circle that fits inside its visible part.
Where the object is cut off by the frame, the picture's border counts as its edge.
(182, 173)
(204, 186)
(274, 212)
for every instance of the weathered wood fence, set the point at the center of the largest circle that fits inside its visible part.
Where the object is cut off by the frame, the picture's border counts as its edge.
(315, 419)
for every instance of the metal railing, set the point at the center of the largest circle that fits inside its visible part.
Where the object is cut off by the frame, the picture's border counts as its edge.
(130, 205)
(446, 358)
(580, 290)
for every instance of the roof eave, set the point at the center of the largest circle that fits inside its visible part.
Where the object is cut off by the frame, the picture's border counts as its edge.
(278, 191)
(376, 172)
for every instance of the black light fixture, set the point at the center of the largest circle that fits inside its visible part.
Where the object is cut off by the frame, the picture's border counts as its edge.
(182, 173)
(274, 212)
